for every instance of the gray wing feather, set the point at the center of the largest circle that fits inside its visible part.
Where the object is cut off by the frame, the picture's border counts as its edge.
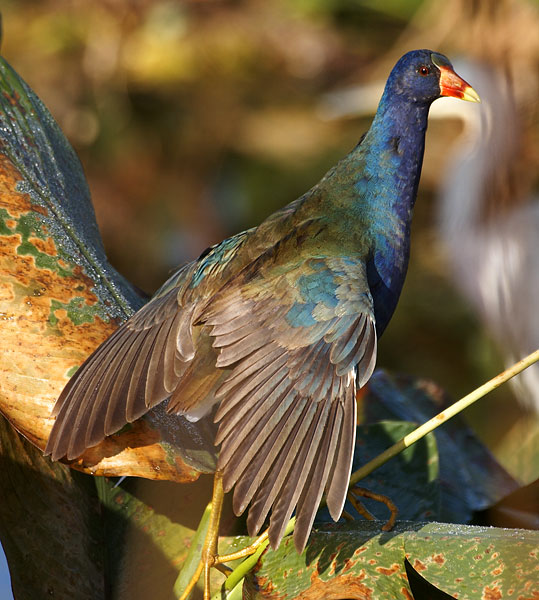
(122, 379)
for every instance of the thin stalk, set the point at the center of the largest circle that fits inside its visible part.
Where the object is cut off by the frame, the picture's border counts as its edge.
(242, 569)
(443, 417)
(191, 566)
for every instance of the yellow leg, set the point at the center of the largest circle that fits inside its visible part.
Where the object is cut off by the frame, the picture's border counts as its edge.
(209, 550)
(192, 582)
(209, 557)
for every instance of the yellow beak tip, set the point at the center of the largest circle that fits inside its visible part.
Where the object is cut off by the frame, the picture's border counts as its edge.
(471, 95)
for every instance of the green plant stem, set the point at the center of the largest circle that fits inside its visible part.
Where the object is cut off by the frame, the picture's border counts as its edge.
(443, 417)
(241, 570)
(194, 555)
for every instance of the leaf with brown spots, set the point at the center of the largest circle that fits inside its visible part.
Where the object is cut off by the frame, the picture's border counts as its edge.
(421, 588)
(474, 562)
(59, 297)
(358, 561)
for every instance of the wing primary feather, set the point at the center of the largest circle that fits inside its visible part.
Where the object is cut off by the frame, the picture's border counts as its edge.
(312, 372)
(258, 445)
(278, 473)
(157, 310)
(96, 418)
(60, 436)
(115, 413)
(236, 422)
(87, 401)
(366, 367)
(184, 337)
(300, 469)
(343, 348)
(115, 417)
(257, 381)
(302, 359)
(155, 391)
(82, 371)
(260, 449)
(171, 356)
(311, 495)
(246, 368)
(237, 404)
(252, 479)
(359, 351)
(95, 431)
(136, 401)
(321, 379)
(124, 374)
(72, 424)
(326, 384)
(340, 474)
(342, 324)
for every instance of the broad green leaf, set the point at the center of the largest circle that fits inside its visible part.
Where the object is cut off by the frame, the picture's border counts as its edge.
(358, 561)
(476, 562)
(471, 479)
(145, 548)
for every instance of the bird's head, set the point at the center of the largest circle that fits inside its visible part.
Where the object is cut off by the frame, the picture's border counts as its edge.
(423, 76)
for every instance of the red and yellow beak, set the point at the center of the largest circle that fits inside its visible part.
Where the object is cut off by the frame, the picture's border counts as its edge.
(453, 85)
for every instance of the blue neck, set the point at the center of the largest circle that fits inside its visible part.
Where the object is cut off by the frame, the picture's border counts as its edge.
(391, 156)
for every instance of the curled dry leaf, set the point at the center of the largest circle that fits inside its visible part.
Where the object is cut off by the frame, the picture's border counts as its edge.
(59, 297)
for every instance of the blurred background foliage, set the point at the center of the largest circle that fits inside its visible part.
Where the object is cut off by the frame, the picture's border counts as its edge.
(196, 119)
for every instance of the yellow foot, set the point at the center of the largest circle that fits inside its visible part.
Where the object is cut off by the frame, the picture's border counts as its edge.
(243, 553)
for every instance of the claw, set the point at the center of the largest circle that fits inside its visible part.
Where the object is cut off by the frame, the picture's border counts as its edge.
(353, 496)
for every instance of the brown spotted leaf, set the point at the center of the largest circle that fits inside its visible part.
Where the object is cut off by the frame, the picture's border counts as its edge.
(59, 297)
(358, 561)
(421, 588)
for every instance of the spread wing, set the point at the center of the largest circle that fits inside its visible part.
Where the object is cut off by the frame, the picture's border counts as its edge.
(298, 339)
(143, 362)
(281, 347)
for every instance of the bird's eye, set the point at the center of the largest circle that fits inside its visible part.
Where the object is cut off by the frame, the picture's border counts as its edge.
(423, 70)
